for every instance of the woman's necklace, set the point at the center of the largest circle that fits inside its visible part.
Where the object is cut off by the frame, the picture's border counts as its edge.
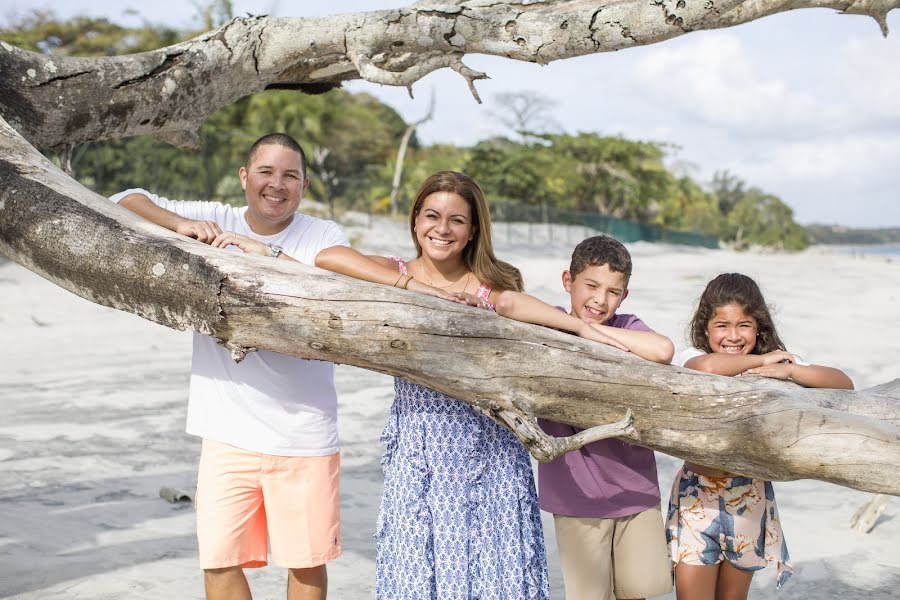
(430, 281)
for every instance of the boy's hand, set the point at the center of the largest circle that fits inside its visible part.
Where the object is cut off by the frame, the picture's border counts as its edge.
(783, 370)
(594, 332)
(202, 231)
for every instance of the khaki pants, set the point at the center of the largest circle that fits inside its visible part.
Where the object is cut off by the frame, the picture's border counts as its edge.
(605, 559)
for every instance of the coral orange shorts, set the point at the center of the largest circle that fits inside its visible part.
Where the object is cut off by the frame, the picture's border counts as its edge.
(242, 496)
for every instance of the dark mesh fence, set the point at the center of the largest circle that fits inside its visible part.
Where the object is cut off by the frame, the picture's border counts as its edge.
(527, 223)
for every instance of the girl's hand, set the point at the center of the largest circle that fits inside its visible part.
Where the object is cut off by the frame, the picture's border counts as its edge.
(470, 299)
(422, 288)
(248, 245)
(594, 332)
(778, 356)
(784, 371)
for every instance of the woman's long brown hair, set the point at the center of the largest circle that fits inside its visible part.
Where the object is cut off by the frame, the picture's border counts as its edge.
(479, 252)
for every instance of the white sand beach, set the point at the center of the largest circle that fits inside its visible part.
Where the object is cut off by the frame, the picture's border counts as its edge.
(93, 409)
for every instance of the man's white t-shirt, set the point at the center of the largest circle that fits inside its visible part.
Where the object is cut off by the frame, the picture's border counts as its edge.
(269, 403)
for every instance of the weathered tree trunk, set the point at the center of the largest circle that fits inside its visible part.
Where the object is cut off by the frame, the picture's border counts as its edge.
(54, 100)
(90, 246)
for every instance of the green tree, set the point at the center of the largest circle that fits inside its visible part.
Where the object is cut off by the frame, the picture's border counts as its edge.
(760, 218)
(420, 163)
(688, 207)
(42, 31)
(728, 190)
(519, 172)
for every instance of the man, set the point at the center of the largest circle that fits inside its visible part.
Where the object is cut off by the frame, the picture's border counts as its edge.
(269, 461)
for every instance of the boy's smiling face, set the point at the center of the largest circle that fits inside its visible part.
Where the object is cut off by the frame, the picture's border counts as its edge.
(596, 292)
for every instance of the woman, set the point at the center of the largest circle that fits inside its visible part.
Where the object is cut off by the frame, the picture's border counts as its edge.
(459, 515)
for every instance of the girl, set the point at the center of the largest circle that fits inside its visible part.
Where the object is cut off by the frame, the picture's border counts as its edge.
(722, 527)
(459, 515)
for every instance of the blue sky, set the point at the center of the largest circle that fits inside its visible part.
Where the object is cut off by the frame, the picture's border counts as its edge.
(805, 105)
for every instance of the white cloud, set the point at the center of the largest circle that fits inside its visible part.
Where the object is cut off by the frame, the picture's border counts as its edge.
(716, 80)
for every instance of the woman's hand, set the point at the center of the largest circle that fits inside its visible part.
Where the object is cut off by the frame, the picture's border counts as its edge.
(782, 370)
(595, 333)
(247, 245)
(422, 288)
(470, 299)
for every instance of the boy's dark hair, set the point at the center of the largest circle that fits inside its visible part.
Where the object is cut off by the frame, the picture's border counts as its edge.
(734, 288)
(278, 139)
(601, 250)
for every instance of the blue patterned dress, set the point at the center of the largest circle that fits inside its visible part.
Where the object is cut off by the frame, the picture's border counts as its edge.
(459, 516)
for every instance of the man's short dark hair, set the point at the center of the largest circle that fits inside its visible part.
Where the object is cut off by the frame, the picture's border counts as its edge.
(278, 139)
(601, 250)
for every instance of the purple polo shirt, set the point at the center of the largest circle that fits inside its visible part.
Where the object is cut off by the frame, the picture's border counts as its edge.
(605, 479)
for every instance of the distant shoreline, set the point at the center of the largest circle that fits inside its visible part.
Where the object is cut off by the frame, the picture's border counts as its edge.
(884, 250)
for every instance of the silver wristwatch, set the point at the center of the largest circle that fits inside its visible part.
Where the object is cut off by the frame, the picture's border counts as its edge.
(275, 250)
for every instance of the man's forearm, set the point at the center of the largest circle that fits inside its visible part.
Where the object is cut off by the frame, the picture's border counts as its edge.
(142, 206)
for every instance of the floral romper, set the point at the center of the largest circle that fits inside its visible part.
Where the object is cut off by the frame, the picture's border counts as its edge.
(712, 519)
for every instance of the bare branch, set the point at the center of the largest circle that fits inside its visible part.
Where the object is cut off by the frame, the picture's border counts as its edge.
(53, 100)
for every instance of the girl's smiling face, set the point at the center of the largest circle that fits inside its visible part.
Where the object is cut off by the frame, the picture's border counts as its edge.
(731, 330)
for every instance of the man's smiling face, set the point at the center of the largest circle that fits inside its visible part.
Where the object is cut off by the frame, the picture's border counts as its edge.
(273, 183)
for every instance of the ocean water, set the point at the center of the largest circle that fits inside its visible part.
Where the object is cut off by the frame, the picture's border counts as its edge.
(888, 250)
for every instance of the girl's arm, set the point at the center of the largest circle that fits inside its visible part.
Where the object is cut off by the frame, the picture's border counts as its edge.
(720, 363)
(376, 269)
(649, 345)
(724, 364)
(815, 376)
(528, 309)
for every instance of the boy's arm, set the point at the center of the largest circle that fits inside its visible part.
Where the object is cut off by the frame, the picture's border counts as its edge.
(649, 345)
(141, 205)
(528, 309)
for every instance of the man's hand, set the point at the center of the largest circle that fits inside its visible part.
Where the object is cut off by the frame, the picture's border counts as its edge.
(202, 231)
(248, 245)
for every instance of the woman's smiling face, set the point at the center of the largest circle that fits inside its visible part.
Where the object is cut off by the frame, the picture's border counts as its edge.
(444, 225)
(731, 330)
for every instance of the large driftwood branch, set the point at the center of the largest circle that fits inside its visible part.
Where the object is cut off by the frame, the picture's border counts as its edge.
(53, 100)
(88, 245)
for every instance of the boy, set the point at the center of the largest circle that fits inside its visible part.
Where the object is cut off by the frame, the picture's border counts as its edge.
(605, 497)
